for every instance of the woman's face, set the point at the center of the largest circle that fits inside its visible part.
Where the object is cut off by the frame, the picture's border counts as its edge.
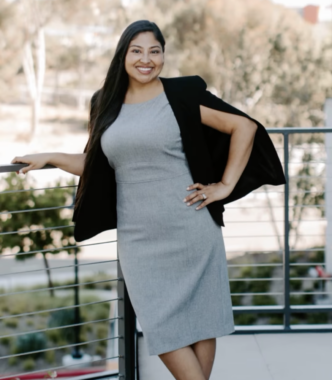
(145, 58)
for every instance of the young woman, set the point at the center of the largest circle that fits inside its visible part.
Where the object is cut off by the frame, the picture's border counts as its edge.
(163, 156)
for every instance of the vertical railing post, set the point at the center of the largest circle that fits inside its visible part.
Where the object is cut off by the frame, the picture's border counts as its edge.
(286, 238)
(126, 330)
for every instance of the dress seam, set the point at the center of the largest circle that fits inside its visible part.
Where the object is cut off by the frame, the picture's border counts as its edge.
(155, 180)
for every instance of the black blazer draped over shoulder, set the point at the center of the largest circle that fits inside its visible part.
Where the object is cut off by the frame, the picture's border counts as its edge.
(206, 150)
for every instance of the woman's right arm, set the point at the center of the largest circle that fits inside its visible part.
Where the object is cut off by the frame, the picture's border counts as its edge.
(71, 163)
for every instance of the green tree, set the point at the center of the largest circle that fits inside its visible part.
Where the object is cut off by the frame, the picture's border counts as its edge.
(30, 219)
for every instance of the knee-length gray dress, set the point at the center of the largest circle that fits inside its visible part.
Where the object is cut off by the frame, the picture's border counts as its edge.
(172, 256)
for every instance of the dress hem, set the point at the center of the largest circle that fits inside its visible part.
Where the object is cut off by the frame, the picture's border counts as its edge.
(191, 341)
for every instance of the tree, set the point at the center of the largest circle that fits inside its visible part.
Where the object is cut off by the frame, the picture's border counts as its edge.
(29, 231)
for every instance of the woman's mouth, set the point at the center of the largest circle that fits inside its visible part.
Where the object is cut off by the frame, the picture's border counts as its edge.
(144, 70)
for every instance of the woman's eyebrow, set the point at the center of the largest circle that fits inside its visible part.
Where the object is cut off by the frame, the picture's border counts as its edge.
(156, 46)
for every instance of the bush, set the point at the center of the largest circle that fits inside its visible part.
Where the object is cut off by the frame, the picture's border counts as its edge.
(61, 318)
(237, 300)
(6, 341)
(11, 322)
(295, 285)
(12, 361)
(276, 320)
(317, 318)
(50, 357)
(245, 319)
(263, 300)
(53, 335)
(259, 286)
(28, 364)
(30, 342)
(102, 332)
(101, 351)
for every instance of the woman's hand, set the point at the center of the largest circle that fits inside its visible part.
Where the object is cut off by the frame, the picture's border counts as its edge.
(213, 192)
(34, 161)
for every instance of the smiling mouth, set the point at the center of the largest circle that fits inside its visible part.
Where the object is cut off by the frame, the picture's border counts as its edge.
(144, 70)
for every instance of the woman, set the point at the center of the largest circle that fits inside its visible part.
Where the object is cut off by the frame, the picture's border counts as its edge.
(145, 138)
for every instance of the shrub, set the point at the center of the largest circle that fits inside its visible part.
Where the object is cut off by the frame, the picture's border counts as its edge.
(63, 318)
(28, 364)
(102, 332)
(50, 357)
(276, 320)
(101, 351)
(245, 319)
(11, 322)
(30, 342)
(263, 300)
(317, 318)
(12, 361)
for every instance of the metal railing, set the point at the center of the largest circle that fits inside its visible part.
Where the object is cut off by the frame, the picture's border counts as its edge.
(286, 309)
(25, 349)
(277, 205)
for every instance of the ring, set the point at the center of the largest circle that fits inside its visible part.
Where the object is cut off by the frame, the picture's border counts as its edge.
(204, 196)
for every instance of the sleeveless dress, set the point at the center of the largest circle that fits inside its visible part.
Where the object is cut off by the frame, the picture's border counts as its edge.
(172, 256)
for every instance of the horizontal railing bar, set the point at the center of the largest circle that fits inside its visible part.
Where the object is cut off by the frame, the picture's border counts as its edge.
(277, 293)
(35, 210)
(57, 308)
(257, 279)
(35, 230)
(257, 294)
(56, 287)
(58, 348)
(57, 368)
(301, 293)
(62, 267)
(259, 308)
(256, 265)
(311, 278)
(57, 249)
(281, 309)
(271, 265)
(268, 236)
(299, 308)
(59, 327)
(275, 221)
(280, 279)
(104, 374)
(8, 168)
(274, 207)
(300, 130)
(36, 189)
(299, 264)
(65, 266)
(276, 251)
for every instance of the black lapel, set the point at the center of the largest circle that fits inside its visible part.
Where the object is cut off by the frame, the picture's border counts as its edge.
(185, 106)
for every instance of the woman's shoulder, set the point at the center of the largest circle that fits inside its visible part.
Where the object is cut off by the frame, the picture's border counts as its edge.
(188, 83)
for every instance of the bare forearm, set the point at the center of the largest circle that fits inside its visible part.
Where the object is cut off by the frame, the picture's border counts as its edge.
(71, 163)
(240, 148)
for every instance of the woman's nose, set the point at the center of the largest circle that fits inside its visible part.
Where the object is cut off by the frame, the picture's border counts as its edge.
(145, 58)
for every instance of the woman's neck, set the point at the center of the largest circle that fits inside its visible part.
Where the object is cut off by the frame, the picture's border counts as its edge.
(143, 91)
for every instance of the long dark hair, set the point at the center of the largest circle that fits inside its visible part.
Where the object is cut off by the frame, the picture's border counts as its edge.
(106, 102)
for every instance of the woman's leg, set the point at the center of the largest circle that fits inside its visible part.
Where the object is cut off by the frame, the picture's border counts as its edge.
(183, 364)
(205, 351)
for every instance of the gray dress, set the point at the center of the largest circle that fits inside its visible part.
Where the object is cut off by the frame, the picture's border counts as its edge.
(172, 256)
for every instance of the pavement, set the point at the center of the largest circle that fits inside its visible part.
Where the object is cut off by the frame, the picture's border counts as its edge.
(291, 356)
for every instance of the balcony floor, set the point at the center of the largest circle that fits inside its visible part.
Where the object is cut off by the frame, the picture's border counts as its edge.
(292, 356)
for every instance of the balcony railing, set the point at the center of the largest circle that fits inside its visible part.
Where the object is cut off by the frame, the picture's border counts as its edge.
(280, 227)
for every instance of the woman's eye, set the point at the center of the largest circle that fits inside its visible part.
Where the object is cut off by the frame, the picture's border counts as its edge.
(135, 51)
(155, 51)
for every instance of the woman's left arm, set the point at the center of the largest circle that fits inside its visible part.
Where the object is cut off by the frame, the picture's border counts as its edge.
(242, 131)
